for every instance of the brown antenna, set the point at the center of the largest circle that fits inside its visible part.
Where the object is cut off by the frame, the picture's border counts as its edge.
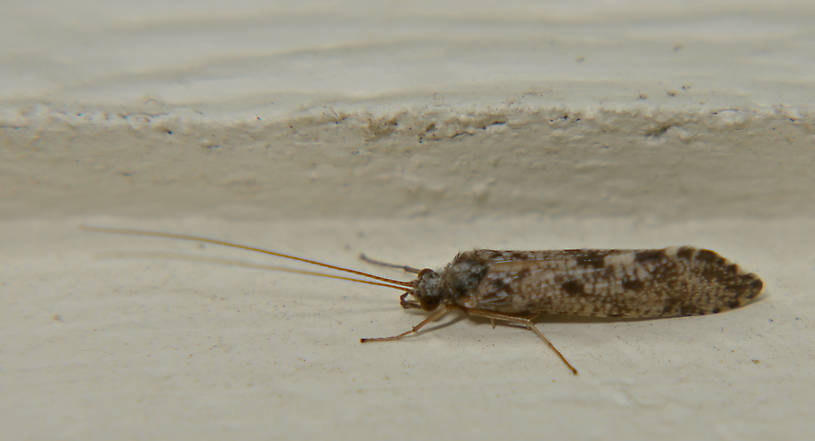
(132, 232)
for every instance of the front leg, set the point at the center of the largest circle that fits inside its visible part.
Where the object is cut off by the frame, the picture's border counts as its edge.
(440, 312)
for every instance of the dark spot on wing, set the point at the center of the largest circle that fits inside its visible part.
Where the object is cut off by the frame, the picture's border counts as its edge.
(688, 309)
(706, 256)
(748, 286)
(685, 253)
(714, 268)
(573, 288)
(649, 255)
(671, 306)
(487, 256)
(593, 259)
(498, 284)
(756, 285)
(633, 285)
(521, 255)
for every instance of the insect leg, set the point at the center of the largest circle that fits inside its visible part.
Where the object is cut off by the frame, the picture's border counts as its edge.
(437, 314)
(526, 322)
(405, 268)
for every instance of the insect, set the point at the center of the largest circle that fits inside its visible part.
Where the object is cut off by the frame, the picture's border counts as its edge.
(517, 286)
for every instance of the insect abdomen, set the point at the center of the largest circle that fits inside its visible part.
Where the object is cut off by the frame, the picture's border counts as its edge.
(611, 283)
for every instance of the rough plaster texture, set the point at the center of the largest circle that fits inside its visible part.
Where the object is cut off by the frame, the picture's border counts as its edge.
(408, 131)
(668, 164)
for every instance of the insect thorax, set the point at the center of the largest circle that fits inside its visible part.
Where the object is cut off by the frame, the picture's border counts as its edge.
(445, 286)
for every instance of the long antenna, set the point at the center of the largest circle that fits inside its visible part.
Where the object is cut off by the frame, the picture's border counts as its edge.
(223, 243)
(240, 264)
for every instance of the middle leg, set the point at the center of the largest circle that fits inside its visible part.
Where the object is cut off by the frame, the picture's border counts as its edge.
(525, 322)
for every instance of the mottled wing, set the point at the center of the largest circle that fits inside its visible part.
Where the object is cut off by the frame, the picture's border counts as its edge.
(609, 283)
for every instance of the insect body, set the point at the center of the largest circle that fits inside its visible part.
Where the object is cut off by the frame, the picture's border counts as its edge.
(590, 283)
(517, 286)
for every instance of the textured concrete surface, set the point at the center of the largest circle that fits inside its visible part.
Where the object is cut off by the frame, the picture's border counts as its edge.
(409, 132)
(661, 163)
